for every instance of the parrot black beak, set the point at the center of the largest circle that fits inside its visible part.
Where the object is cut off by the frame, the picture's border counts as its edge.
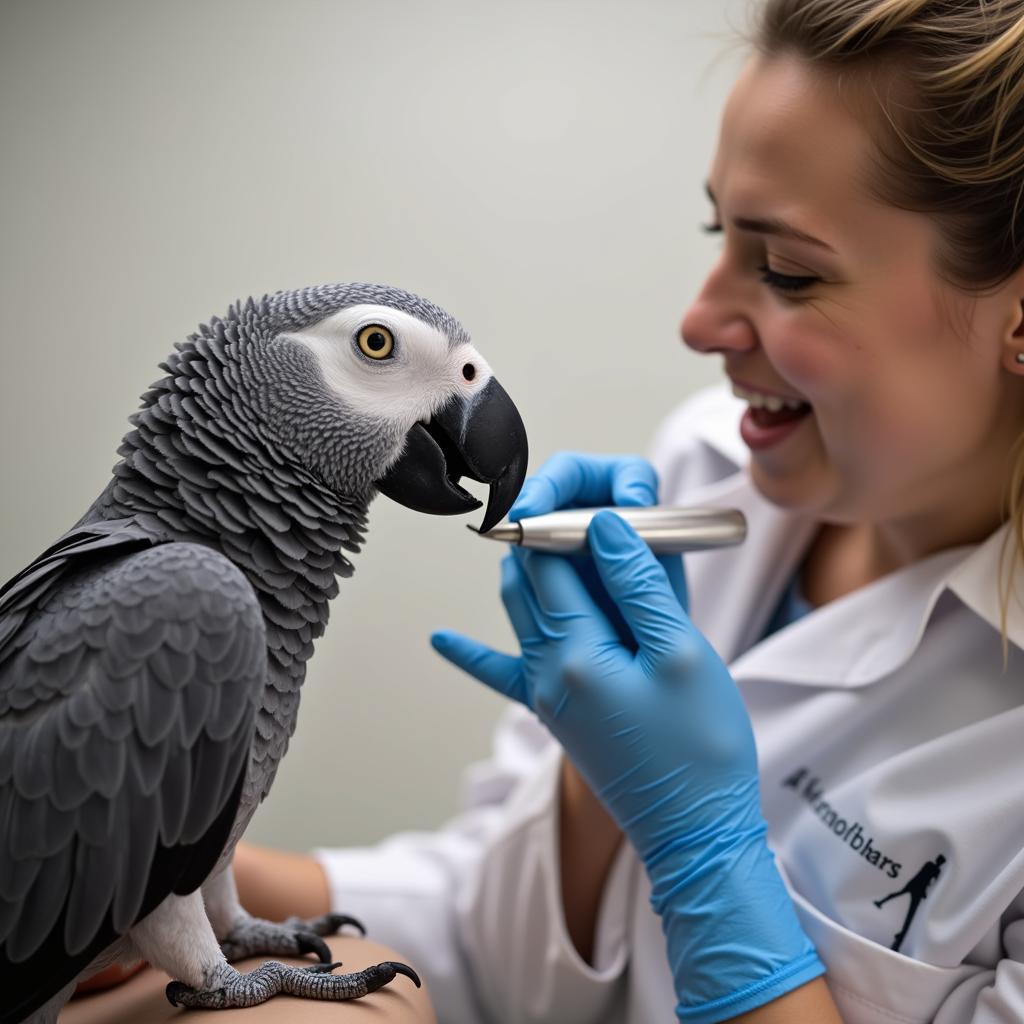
(483, 438)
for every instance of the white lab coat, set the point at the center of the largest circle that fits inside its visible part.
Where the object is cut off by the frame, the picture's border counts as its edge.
(889, 734)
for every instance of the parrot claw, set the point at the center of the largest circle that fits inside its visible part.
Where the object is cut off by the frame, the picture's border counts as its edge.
(310, 943)
(405, 969)
(324, 968)
(335, 922)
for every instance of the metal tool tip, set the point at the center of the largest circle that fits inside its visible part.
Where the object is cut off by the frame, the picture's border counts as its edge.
(511, 533)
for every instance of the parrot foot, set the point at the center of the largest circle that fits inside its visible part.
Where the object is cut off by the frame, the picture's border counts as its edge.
(294, 937)
(316, 982)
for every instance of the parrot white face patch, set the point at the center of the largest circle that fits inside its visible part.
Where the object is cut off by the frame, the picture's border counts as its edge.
(402, 372)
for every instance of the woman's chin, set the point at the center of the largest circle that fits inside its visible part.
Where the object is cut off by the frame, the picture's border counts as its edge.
(800, 491)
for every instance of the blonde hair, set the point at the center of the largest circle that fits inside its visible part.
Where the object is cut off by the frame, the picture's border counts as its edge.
(947, 76)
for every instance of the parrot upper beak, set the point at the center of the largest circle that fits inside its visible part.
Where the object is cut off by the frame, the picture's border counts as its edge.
(483, 438)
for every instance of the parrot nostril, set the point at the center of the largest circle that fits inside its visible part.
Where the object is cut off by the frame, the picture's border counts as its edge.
(469, 371)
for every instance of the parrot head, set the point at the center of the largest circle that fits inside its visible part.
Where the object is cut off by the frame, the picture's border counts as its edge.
(375, 389)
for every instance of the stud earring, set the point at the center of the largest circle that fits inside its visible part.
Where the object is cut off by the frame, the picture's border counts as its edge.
(1020, 357)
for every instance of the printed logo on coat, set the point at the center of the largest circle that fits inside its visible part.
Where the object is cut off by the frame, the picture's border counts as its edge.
(917, 890)
(852, 833)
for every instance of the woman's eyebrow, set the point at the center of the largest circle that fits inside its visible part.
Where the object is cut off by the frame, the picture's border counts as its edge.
(772, 226)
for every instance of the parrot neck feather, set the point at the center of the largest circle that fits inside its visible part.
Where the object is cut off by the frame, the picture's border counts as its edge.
(194, 468)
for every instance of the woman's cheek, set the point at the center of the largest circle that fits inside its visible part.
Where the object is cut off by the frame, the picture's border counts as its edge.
(812, 365)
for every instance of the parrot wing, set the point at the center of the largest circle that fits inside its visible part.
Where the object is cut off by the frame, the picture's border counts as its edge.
(128, 694)
(76, 549)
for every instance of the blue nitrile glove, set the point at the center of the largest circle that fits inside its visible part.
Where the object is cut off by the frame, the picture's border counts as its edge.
(577, 480)
(660, 732)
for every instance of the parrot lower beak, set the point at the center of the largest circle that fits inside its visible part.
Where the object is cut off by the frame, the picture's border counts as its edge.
(483, 438)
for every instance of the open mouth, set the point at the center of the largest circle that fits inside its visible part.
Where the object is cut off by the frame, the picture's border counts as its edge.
(765, 417)
(768, 409)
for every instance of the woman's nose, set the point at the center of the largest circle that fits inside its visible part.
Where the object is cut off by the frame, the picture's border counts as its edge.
(718, 320)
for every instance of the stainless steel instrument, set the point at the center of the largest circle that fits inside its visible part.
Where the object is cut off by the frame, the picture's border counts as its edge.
(667, 529)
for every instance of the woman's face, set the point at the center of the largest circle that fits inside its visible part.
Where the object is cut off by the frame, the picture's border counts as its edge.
(825, 295)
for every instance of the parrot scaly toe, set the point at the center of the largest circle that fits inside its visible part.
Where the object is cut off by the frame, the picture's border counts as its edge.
(238, 990)
(293, 937)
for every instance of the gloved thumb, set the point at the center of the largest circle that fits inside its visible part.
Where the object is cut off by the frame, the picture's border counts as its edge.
(501, 672)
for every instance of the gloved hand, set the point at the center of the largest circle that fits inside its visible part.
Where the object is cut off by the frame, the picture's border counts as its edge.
(660, 732)
(576, 480)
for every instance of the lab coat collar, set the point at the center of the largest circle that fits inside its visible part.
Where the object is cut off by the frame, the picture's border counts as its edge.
(977, 581)
(861, 637)
(850, 642)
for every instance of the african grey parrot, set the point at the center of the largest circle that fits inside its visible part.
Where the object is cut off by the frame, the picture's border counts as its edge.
(151, 659)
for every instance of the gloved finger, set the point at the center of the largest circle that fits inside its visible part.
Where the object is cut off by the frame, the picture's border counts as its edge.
(676, 573)
(638, 584)
(574, 480)
(501, 672)
(587, 571)
(564, 606)
(517, 597)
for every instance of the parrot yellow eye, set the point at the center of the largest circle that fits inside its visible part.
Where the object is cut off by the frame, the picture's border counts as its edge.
(376, 341)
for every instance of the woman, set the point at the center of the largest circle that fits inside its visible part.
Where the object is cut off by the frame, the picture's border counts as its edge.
(868, 305)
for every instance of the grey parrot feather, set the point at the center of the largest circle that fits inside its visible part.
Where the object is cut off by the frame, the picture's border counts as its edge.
(132, 708)
(151, 659)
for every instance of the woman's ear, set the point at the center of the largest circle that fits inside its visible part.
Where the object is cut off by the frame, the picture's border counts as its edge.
(1013, 358)
(1013, 340)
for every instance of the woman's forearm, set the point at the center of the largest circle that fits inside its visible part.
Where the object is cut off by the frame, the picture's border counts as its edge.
(810, 1004)
(275, 884)
(588, 841)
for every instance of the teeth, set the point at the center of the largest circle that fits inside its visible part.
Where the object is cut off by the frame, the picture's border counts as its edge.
(769, 402)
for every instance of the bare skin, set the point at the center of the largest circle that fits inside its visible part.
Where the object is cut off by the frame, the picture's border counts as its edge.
(276, 884)
(588, 842)
(810, 1004)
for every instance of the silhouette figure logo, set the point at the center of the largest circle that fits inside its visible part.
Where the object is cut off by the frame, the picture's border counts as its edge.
(917, 890)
